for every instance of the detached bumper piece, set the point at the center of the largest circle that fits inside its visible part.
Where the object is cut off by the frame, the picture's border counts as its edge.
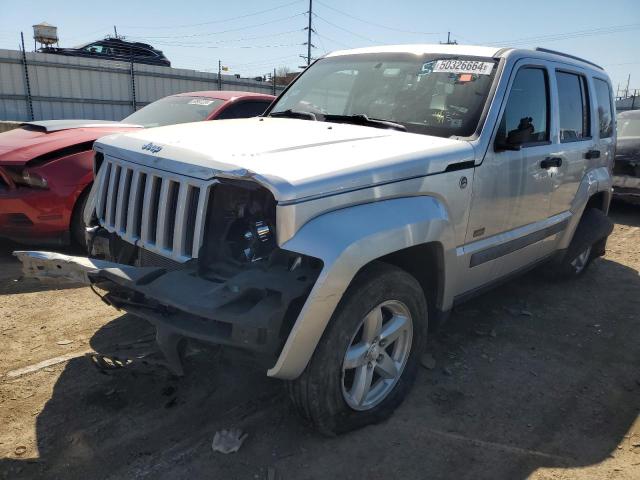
(251, 309)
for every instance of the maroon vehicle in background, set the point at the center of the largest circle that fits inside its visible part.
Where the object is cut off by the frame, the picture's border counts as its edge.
(46, 168)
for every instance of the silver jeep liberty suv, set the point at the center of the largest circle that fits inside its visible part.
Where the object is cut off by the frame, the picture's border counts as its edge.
(384, 186)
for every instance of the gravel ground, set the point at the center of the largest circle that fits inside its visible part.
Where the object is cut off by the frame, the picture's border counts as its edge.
(532, 380)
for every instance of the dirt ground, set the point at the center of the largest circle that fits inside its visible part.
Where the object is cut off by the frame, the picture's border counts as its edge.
(532, 380)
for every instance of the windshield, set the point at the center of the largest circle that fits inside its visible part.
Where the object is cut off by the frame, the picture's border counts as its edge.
(628, 127)
(173, 110)
(430, 94)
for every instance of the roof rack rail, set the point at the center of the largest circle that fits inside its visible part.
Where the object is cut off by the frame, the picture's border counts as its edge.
(555, 52)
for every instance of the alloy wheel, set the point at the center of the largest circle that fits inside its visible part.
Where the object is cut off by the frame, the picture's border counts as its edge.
(377, 355)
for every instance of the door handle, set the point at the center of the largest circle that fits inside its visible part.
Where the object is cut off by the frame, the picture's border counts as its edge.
(549, 162)
(592, 154)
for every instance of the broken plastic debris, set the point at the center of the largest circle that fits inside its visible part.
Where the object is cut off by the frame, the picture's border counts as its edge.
(228, 441)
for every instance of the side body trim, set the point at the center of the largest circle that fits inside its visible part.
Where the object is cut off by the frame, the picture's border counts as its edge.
(492, 253)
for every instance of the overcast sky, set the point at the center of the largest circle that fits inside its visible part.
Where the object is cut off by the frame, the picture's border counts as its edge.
(253, 37)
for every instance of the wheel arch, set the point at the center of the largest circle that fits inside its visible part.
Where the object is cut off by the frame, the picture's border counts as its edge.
(425, 262)
(594, 191)
(346, 241)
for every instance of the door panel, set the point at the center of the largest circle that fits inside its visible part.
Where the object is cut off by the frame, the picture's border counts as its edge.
(511, 189)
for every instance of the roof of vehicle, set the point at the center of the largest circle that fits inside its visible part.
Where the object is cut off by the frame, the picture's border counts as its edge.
(470, 50)
(419, 49)
(224, 94)
(117, 41)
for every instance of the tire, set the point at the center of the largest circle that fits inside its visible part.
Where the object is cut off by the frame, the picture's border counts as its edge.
(77, 227)
(323, 393)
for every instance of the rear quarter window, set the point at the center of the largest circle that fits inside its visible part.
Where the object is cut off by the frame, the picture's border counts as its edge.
(605, 110)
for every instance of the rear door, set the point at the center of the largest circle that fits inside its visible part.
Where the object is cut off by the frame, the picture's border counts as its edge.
(576, 145)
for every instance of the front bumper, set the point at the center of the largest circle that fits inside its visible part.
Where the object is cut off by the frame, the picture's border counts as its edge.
(253, 309)
(626, 187)
(34, 216)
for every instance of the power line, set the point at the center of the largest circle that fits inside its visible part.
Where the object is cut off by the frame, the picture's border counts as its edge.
(568, 35)
(322, 45)
(216, 21)
(379, 25)
(223, 47)
(344, 29)
(224, 31)
(344, 45)
(242, 39)
(266, 61)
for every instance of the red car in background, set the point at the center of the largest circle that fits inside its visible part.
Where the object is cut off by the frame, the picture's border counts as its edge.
(46, 168)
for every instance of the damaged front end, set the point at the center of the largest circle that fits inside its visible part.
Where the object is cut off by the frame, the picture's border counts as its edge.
(626, 170)
(196, 259)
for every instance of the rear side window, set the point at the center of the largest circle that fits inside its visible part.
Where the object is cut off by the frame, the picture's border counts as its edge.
(526, 116)
(605, 112)
(573, 103)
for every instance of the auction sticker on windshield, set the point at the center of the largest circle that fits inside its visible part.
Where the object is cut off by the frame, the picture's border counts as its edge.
(463, 66)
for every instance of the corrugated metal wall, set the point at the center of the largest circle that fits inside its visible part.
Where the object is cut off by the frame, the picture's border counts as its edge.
(75, 87)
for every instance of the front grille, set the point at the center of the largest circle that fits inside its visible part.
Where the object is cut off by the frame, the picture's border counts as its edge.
(150, 259)
(158, 211)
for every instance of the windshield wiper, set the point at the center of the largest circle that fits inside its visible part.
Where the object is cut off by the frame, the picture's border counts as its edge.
(294, 114)
(362, 119)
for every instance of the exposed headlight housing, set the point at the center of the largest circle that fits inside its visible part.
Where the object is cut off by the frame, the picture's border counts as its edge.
(27, 178)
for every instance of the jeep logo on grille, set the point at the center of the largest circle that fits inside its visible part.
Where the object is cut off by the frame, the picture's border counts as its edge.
(152, 147)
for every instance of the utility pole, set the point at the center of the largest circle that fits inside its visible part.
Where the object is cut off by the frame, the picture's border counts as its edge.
(274, 81)
(309, 31)
(219, 74)
(449, 41)
(115, 31)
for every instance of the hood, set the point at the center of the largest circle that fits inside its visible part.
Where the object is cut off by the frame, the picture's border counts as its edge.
(295, 159)
(33, 139)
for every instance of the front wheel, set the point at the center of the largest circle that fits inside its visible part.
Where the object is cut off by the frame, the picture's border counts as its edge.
(367, 360)
(77, 227)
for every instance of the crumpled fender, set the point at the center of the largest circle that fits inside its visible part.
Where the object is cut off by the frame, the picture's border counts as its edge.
(346, 240)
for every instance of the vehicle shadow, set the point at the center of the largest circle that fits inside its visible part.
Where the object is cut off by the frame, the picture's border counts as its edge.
(11, 280)
(531, 375)
(625, 213)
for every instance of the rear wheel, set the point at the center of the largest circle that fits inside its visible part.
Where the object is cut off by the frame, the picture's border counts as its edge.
(588, 243)
(367, 359)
